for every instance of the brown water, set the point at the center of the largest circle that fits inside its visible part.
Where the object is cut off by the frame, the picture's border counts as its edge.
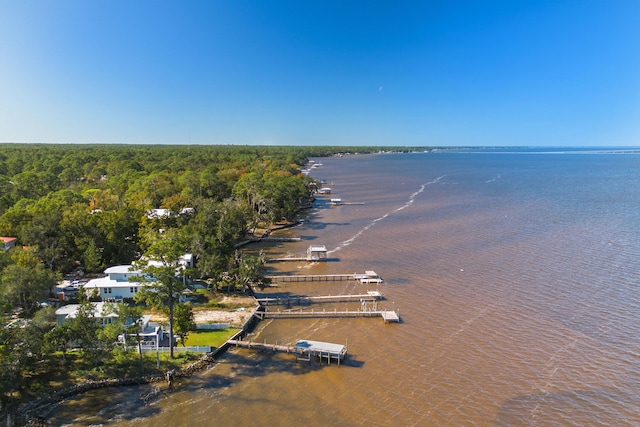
(516, 277)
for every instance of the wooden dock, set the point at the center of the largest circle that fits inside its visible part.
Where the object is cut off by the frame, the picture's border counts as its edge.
(387, 315)
(339, 202)
(368, 276)
(280, 239)
(300, 299)
(312, 278)
(285, 259)
(303, 349)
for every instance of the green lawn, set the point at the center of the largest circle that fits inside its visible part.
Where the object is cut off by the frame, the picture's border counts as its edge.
(212, 338)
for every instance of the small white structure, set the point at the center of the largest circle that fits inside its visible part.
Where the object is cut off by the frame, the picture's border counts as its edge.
(336, 202)
(322, 350)
(316, 253)
(369, 276)
(324, 190)
(185, 261)
(158, 213)
(166, 213)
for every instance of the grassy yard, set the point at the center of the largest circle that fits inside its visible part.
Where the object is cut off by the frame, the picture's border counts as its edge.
(212, 338)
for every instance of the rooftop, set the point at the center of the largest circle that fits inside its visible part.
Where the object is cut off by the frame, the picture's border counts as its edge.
(321, 347)
(120, 269)
(71, 310)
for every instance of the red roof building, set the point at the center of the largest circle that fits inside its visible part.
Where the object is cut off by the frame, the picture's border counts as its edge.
(7, 243)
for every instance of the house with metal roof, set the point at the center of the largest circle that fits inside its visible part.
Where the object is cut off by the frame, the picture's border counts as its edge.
(116, 285)
(151, 333)
(123, 282)
(100, 312)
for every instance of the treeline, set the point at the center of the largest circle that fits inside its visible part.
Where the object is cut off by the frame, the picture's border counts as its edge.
(88, 205)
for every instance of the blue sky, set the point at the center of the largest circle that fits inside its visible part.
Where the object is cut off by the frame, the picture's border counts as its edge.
(443, 73)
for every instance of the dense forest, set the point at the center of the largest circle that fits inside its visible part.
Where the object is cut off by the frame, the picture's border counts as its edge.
(75, 208)
(88, 205)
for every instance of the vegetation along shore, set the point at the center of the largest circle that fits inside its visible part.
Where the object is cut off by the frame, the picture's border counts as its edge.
(175, 216)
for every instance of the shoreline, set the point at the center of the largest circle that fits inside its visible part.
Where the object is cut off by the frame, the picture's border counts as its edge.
(36, 412)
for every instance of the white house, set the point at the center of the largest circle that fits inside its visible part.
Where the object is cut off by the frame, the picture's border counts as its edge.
(120, 284)
(152, 334)
(158, 213)
(166, 213)
(115, 286)
(186, 261)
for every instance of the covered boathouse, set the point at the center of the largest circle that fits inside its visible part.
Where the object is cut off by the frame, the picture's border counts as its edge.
(316, 253)
(322, 350)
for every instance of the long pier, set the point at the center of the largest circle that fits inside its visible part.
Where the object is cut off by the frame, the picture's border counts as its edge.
(387, 315)
(284, 259)
(368, 276)
(316, 277)
(312, 278)
(304, 349)
(280, 239)
(300, 299)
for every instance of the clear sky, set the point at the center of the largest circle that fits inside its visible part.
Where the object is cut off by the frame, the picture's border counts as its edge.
(327, 72)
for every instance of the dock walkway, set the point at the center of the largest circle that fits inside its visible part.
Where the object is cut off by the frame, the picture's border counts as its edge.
(368, 276)
(292, 259)
(312, 278)
(387, 315)
(289, 300)
(280, 239)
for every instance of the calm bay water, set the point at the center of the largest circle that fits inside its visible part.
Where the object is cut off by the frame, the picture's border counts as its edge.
(516, 275)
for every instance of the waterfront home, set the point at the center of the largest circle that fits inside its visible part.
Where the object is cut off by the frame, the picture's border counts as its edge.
(116, 285)
(101, 312)
(120, 282)
(316, 253)
(151, 333)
